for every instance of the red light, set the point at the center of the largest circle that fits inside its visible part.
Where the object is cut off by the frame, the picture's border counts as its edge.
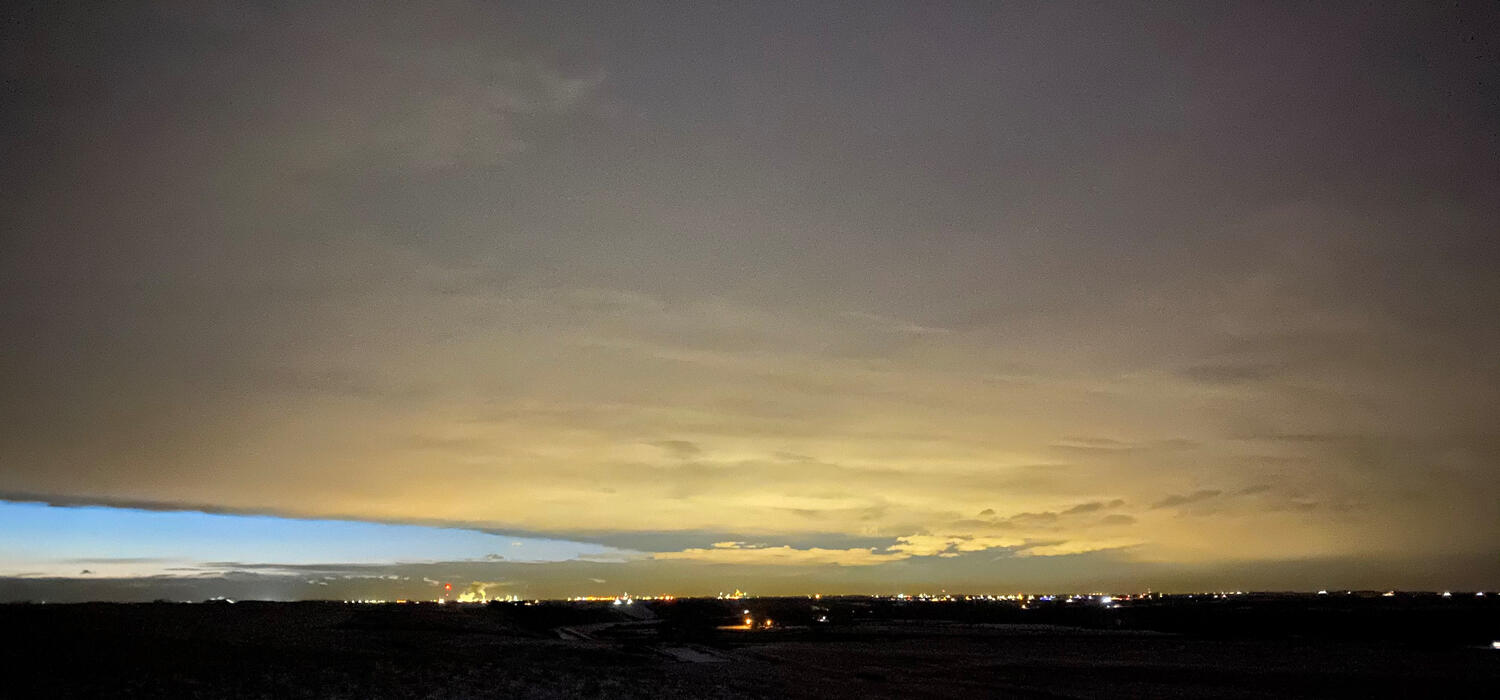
(447, 586)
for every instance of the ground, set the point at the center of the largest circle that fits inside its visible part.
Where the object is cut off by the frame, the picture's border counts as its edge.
(333, 650)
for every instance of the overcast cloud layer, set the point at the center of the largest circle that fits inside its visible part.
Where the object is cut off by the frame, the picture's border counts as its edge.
(975, 294)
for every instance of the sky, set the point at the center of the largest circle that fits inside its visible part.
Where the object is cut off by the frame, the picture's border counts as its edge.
(341, 300)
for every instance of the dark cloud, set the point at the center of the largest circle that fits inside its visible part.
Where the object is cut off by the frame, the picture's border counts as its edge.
(1092, 506)
(681, 449)
(118, 560)
(1185, 499)
(1029, 518)
(1085, 508)
(62, 501)
(1226, 373)
(1108, 445)
(1044, 518)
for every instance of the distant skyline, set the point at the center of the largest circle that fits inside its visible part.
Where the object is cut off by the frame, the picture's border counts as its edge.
(785, 297)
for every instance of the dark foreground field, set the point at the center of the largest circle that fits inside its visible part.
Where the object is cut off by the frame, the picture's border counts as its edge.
(1209, 649)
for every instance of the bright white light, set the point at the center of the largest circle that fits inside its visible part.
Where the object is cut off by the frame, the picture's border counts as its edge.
(1106, 600)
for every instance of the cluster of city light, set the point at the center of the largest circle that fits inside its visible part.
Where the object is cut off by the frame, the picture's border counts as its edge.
(925, 597)
(480, 597)
(1018, 597)
(1105, 598)
(622, 599)
(439, 601)
(1394, 593)
(1023, 598)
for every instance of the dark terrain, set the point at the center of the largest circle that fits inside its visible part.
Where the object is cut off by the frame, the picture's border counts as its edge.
(1256, 646)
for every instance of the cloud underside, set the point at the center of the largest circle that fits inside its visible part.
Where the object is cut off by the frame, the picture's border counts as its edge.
(538, 272)
(905, 548)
